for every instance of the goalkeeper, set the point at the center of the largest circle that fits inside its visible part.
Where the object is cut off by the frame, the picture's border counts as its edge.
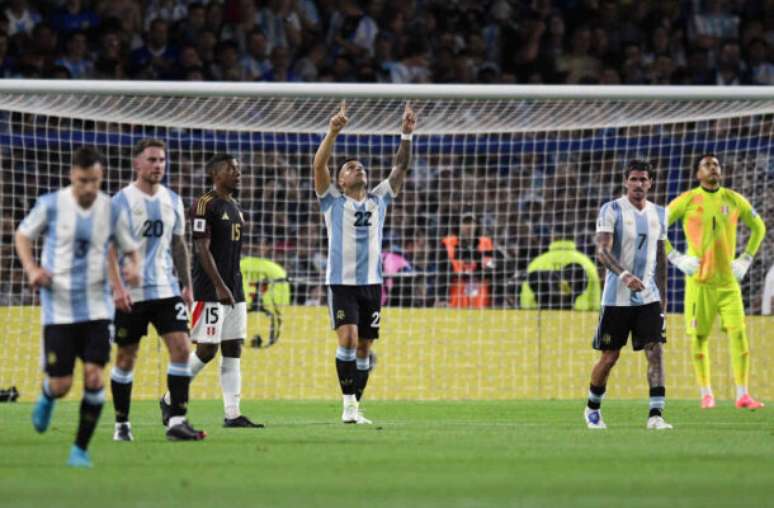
(710, 214)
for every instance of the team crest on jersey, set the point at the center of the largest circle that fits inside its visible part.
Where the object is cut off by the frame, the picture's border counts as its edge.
(724, 209)
(51, 358)
(606, 338)
(122, 333)
(340, 314)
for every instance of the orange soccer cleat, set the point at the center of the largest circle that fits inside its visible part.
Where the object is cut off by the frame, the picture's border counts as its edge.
(708, 401)
(747, 402)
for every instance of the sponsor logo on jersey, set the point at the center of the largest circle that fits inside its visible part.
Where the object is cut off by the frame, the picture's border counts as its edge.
(210, 331)
(225, 216)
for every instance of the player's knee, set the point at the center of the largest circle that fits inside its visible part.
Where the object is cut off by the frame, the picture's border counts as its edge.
(59, 386)
(178, 347)
(92, 378)
(126, 357)
(364, 347)
(609, 358)
(231, 348)
(206, 352)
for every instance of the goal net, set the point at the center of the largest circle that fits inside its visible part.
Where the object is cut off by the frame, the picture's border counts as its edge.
(519, 170)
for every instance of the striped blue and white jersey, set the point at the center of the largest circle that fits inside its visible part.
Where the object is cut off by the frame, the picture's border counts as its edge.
(355, 235)
(636, 234)
(75, 253)
(153, 220)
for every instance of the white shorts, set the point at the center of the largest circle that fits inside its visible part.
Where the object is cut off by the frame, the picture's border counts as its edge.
(213, 322)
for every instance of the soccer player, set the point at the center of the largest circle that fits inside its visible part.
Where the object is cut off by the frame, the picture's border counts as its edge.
(156, 217)
(78, 224)
(220, 311)
(355, 219)
(631, 232)
(710, 214)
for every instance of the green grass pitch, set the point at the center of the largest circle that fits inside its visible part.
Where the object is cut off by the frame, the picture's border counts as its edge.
(440, 454)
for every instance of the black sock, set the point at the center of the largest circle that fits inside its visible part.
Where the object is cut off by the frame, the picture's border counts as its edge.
(122, 398)
(346, 371)
(178, 394)
(595, 396)
(361, 380)
(657, 401)
(91, 408)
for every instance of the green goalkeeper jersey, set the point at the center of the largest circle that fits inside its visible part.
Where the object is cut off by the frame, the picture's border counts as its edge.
(709, 220)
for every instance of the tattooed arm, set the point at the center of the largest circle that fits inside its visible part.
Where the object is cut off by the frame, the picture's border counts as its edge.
(604, 242)
(402, 161)
(661, 273)
(182, 262)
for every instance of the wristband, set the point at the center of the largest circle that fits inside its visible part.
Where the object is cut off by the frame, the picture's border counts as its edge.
(624, 274)
(406, 137)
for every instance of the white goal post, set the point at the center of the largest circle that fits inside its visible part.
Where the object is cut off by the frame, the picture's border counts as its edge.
(529, 164)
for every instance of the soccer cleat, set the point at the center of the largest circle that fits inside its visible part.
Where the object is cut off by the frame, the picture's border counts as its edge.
(41, 414)
(657, 423)
(708, 401)
(593, 418)
(123, 432)
(362, 420)
(350, 413)
(747, 402)
(166, 411)
(184, 432)
(79, 458)
(241, 421)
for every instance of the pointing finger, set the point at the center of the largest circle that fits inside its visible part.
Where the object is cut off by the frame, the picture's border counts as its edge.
(343, 107)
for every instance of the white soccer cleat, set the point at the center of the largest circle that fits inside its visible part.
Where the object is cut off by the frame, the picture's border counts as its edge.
(657, 423)
(593, 418)
(123, 432)
(350, 413)
(362, 420)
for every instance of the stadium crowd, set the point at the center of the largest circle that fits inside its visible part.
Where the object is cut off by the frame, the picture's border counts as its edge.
(690, 42)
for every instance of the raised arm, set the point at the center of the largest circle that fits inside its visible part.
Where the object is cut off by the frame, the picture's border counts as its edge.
(604, 242)
(322, 175)
(402, 160)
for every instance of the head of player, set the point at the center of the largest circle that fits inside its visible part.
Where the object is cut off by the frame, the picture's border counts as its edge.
(149, 161)
(86, 172)
(225, 174)
(638, 181)
(708, 171)
(468, 227)
(351, 177)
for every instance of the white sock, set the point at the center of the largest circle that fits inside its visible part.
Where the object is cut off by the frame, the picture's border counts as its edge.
(175, 420)
(350, 400)
(741, 391)
(231, 383)
(706, 391)
(195, 365)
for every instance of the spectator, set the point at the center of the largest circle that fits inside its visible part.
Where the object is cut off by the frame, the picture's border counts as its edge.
(713, 24)
(21, 18)
(156, 59)
(171, 11)
(729, 68)
(73, 17)
(76, 60)
(126, 15)
(256, 63)
(281, 24)
(561, 278)
(280, 66)
(579, 62)
(467, 259)
(191, 29)
(7, 66)
(393, 264)
(761, 70)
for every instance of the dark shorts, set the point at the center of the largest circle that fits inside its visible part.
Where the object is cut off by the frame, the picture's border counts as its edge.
(167, 315)
(644, 322)
(88, 340)
(356, 305)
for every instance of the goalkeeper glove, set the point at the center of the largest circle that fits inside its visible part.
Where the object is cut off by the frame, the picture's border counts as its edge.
(740, 266)
(686, 264)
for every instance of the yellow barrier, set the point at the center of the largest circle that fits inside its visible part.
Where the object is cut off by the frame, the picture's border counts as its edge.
(424, 354)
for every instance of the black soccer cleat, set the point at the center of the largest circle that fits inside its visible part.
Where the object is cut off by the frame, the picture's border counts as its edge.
(184, 432)
(123, 432)
(241, 421)
(166, 411)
